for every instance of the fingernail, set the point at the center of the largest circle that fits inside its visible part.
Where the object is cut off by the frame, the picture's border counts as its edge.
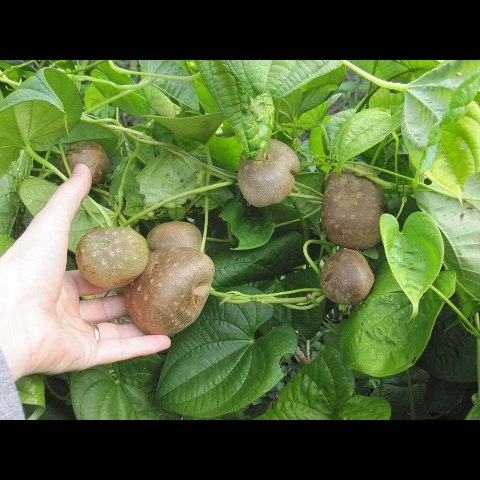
(78, 169)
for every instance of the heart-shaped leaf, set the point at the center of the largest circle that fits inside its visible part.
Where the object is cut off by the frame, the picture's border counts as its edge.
(43, 109)
(378, 339)
(203, 373)
(414, 255)
(324, 390)
(129, 394)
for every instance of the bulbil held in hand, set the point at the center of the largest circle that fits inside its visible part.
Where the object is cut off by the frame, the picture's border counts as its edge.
(351, 209)
(346, 277)
(111, 257)
(91, 154)
(269, 181)
(172, 290)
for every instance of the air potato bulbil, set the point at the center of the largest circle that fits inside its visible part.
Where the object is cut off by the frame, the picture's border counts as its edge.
(269, 181)
(111, 257)
(91, 154)
(351, 209)
(346, 277)
(171, 292)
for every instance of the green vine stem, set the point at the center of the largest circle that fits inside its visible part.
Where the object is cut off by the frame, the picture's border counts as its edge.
(461, 316)
(401, 87)
(195, 191)
(477, 325)
(121, 187)
(312, 299)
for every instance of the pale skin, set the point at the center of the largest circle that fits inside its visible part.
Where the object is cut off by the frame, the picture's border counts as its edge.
(45, 327)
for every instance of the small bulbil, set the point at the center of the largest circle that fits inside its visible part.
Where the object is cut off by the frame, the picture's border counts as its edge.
(269, 181)
(111, 257)
(346, 277)
(91, 154)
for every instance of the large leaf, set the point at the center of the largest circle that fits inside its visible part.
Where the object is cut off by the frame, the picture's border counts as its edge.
(437, 98)
(415, 255)
(43, 109)
(307, 322)
(270, 261)
(459, 224)
(362, 131)
(97, 395)
(451, 353)
(199, 128)
(35, 192)
(251, 118)
(9, 201)
(167, 176)
(379, 339)
(253, 227)
(217, 366)
(458, 156)
(182, 92)
(279, 77)
(134, 103)
(324, 390)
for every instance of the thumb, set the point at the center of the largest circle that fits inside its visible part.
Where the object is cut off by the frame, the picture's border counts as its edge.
(58, 213)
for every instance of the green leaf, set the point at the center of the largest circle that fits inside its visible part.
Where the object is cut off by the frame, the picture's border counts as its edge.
(278, 77)
(451, 352)
(458, 156)
(251, 118)
(226, 152)
(134, 103)
(362, 131)
(166, 176)
(31, 389)
(97, 395)
(5, 243)
(318, 90)
(9, 201)
(440, 96)
(35, 192)
(205, 370)
(415, 255)
(317, 392)
(459, 224)
(199, 128)
(278, 257)
(378, 339)
(307, 322)
(365, 408)
(182, 92)
(252, 226)
(43, 109)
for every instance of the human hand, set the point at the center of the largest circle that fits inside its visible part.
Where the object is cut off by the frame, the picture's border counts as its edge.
(44, 325)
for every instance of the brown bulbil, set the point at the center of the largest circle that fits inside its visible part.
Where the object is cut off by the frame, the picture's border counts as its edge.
(351, 209)
(111, 257)
(174, 234)
(91, 154)
(172, 290)
(346, 277)
(270, 181)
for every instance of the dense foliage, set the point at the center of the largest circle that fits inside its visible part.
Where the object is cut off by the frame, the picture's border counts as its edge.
(268, 344)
